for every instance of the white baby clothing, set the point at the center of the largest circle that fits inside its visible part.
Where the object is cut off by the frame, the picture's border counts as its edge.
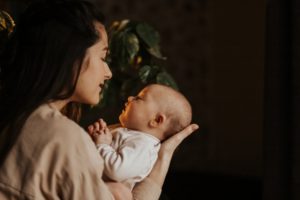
(130, 157)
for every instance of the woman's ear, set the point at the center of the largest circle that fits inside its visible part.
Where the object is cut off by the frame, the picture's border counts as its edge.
(158, 120)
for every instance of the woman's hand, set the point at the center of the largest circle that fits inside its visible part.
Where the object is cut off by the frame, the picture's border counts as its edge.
(165, 154)
(119, 191)
(168, 146)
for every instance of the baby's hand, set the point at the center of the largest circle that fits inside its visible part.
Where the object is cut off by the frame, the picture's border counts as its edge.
(100, 132)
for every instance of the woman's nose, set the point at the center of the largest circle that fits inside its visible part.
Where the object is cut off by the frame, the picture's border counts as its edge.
(108, 73)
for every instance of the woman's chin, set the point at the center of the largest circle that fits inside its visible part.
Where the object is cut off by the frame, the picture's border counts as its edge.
(93, 102)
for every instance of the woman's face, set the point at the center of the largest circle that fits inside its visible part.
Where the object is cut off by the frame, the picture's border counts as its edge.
(94, 71)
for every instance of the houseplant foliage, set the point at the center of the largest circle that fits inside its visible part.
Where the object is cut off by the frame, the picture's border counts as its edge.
(135, 61)
(7, 25)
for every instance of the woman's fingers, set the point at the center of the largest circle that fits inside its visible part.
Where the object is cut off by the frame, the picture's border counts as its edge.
(171, 143)
(180, 136)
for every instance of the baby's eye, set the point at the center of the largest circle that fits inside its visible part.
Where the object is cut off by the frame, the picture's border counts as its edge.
(137, 98)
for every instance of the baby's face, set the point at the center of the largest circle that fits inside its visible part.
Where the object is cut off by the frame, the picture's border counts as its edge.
(139, 110)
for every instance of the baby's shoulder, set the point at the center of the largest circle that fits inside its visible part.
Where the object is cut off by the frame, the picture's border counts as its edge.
(129, 135)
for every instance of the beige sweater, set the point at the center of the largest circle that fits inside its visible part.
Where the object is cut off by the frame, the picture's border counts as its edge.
(54, 158)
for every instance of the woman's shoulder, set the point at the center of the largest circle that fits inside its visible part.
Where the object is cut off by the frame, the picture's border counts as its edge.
(57, 144)
(49, 121)
(47, 128)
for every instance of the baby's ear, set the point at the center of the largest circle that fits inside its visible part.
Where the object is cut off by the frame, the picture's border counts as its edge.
(158, 120)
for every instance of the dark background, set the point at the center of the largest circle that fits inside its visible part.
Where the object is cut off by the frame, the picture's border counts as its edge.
(238, 64)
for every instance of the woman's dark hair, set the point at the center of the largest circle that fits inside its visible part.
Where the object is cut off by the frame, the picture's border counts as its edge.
(42, 61)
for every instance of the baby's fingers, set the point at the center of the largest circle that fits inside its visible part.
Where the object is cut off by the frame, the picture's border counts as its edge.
(96, 126)
(90, 129)
(102, 123)
(107, 131)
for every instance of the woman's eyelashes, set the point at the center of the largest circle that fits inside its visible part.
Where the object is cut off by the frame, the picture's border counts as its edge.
(106, 58)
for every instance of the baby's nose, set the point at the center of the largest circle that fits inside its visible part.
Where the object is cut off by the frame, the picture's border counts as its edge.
(130, 98)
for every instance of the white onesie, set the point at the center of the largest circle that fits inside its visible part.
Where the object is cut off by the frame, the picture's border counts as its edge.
(130, 157)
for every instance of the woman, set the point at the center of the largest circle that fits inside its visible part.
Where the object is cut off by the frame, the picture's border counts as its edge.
(55, 60)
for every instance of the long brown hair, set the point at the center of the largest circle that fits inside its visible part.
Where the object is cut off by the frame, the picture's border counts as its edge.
(42, 61)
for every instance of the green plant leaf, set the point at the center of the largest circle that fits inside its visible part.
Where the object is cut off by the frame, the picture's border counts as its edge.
(6, 22)
(148, 34)
(122, 24)
(166, 79)
(151, 38)
(124, 47)
(116, 55)
(120, 51)
(132, 45)
(155, 51)
(144, 73)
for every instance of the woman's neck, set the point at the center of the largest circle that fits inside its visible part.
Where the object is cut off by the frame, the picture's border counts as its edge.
(58, 104)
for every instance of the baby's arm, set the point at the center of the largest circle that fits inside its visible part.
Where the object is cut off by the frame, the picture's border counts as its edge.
(130, 160)
(100, 133)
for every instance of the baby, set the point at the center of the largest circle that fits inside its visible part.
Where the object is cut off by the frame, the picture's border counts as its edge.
(130, 151)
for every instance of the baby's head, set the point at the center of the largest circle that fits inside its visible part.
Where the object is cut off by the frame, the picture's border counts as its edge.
(158, 110)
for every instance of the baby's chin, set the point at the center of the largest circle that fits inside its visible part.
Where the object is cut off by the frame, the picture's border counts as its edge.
(120, 120)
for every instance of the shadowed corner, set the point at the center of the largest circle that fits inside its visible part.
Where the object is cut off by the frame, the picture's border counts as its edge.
(181, 185)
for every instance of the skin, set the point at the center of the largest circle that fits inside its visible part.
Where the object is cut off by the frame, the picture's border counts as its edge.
(144, 113)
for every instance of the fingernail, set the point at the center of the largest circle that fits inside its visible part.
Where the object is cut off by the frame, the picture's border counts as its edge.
(195, 127)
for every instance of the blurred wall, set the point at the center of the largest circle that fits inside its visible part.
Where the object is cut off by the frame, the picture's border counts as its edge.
(237, 89)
